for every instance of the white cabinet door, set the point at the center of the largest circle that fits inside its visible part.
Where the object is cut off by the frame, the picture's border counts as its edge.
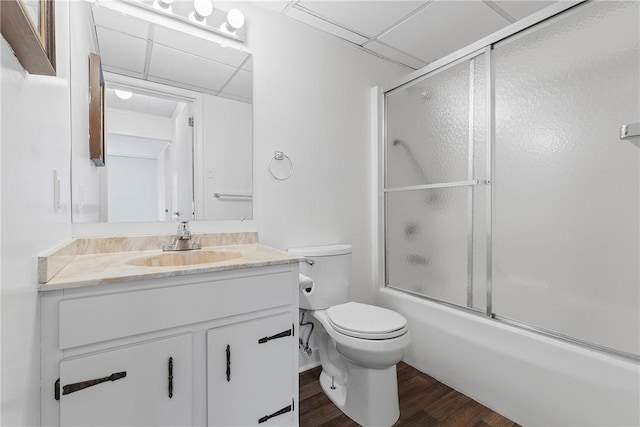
(250, 377)
(141, 397)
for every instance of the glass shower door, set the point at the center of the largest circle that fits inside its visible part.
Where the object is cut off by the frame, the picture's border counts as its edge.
(435, 156)
(566, 192)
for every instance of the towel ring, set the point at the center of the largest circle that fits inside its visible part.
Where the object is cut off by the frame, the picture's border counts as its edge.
(279, 155)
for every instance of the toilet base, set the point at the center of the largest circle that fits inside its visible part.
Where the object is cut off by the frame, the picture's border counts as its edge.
(370, 396)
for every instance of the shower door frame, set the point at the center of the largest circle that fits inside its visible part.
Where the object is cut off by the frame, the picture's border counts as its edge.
(482, 46)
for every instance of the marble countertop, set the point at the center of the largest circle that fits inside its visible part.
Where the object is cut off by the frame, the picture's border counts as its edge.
(82, 263)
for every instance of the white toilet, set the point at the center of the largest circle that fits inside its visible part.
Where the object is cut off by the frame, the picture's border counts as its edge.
(360, 344)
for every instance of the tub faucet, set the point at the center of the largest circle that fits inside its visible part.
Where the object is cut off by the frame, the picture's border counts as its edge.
(182, 241)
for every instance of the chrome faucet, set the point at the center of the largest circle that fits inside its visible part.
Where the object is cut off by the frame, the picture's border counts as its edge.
(182, 241)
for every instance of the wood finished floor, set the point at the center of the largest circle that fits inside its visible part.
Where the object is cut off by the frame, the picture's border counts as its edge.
(423, 402)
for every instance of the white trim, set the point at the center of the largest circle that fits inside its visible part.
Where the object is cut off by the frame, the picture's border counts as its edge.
(489, 201)
(430, 186)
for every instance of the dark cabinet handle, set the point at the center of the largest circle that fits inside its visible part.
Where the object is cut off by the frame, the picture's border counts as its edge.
(275, 414)
(72, 388)
(170, 377)
(228, 363)
(282, 334)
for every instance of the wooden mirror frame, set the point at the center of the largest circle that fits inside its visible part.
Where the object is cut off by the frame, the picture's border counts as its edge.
(96, 110)
(36, 50)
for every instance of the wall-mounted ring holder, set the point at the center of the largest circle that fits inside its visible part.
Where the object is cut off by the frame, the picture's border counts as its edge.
(283, 169)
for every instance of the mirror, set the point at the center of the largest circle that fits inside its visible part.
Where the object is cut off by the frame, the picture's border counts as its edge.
(149, 149)
(178, 142)
(29, 28)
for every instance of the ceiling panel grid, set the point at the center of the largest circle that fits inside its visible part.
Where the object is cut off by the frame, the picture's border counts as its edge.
(413, 33)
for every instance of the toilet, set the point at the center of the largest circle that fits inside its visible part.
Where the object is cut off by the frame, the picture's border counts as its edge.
(359, 344)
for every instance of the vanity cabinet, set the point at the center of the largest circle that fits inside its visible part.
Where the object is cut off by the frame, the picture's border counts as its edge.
(157, 350)
(144, 384)
(250, 360)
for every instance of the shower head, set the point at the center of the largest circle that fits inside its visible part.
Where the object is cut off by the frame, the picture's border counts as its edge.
(432, 197)
(396, 142)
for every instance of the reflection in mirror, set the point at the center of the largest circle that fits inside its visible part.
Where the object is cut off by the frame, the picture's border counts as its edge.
(33, 9)
(177, 76)
(149, 146)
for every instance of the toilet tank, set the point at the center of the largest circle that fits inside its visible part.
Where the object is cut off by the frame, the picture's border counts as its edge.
(330, 269)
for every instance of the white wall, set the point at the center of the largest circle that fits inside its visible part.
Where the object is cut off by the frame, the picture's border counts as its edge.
(311, 100)
(180, 160)
(133, 189)
(226, 148)
(87, 190)
(35, 142)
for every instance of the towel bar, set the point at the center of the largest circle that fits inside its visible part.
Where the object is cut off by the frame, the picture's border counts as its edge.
(232, 196)
(629, 131)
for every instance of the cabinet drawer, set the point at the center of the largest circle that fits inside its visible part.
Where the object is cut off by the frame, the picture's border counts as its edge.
(105, 317)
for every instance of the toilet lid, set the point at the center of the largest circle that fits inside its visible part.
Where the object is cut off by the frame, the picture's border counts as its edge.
(366, 321)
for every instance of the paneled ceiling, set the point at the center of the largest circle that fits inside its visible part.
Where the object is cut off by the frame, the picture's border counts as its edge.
(141, 103)
(138, 147)
(140, 49)
(412, 33)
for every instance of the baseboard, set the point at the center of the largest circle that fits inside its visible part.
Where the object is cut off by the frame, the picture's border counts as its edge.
(306, 362)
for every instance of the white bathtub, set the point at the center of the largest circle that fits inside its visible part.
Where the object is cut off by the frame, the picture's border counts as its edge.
(530, 378)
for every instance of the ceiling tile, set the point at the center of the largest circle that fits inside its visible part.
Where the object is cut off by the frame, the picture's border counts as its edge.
(115, 70)
(394, 54)
(366, 17)
(522, 8)
(444, 27)
(113, 54)
(140, 102)
(105, 17)
(325, 26)
(198, 46)
(137, 102)
(177, 66)
(162, 107)
(276, 6)
(249, 65)
(132, 146)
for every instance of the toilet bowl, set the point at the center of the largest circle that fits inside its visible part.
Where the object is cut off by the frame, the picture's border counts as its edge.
(375, 347)
(359, 344)
(359, 373)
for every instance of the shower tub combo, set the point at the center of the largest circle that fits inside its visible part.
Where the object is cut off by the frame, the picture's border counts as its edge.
(509, 215)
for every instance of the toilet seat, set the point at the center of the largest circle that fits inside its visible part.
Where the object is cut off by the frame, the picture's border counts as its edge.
(366, 321)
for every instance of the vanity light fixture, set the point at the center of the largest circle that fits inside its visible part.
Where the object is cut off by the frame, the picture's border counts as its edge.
(163, 5)
(199, 15)
(123, 94)
(201, 10)
(235, 21)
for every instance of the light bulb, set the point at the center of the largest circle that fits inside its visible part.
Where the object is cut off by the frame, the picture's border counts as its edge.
(123, 94)
(235, 19)
(201, 10)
